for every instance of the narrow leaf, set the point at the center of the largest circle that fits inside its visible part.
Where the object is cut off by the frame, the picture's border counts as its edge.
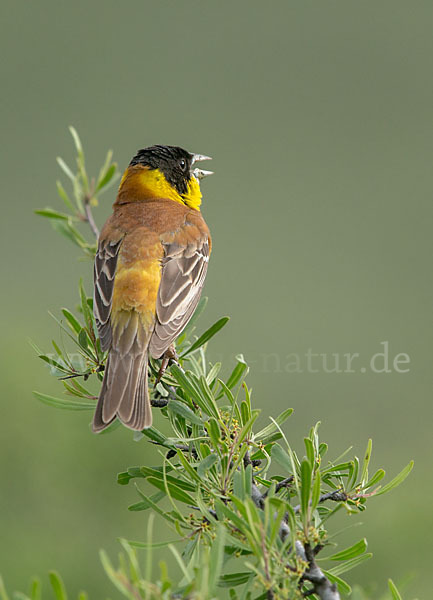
(350, 564)
(179, 408)
(282, 458)
(206, 336)
(58, 586)
(355, 550)
(206, 464)
(64, 403)
(72, 321)
(397, 480)
(394, 591)
(234, 579)
(366, 461)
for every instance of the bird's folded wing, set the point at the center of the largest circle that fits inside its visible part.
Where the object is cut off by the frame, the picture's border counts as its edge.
(104, 271)
(183, 274)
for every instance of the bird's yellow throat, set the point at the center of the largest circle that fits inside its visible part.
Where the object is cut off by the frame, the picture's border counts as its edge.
(139, 183)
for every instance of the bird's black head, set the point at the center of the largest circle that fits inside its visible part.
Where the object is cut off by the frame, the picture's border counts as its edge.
(174, 162)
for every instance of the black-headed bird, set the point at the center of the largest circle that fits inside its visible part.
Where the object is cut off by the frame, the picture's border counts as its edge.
(149, 271)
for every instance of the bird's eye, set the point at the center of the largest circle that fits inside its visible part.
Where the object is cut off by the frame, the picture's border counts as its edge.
(182, 164)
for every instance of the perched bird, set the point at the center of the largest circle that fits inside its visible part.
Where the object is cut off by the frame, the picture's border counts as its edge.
(149, 271)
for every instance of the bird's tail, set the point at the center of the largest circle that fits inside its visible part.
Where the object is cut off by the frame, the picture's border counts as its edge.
(124, 393)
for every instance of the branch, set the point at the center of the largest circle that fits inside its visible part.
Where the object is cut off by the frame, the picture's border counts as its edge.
(321, 584)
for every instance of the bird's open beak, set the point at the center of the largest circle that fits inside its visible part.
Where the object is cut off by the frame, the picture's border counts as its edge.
(200, 173)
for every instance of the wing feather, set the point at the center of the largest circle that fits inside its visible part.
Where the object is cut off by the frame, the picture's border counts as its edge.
(183, 274)
(103, 274)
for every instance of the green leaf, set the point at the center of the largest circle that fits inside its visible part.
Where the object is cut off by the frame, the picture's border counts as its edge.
(245, 412)
(238, 484)
(72, 321)
(316, 491)
(394, 591)
(154, 506)
(107, 177)
(246, 429)
(159, 474)
(206, 336)
(54, 363)
(58, 586)
(234, 579)
(214, 432)
(207, 463)
(105, 166)
(272, 428)
(282, 458)
(149, 545)
(216, 559)
(176, 492)
(213, 373)
(355, 472)
(64, 196)
(305, 487)
(65, 168)
(77, 141)
(3, 593)
(71, 233)
(226, 392)
(397, 480)
(237, 372)
(65, 403)
(208, 395)
(190, 386)
(189, 470)
(378, 476)
(223, 510)
(323, 449)
(144, 504)
(310, 451)
(355, 550)
(335, 468)
(179, 408)
(366, 461)
(84, 339)
(35, 589)
(350, 564)
(88, 317)
(187, 573)
(156, 436)
(52, 214)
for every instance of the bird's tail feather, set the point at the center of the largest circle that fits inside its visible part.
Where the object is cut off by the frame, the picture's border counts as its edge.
(124, 393)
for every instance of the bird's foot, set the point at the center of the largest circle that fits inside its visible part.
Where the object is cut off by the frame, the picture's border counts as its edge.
(168, 357)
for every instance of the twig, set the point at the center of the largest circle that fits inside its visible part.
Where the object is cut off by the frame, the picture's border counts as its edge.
(171, 453)
(89, 216)
(159, 402)
(337, 496)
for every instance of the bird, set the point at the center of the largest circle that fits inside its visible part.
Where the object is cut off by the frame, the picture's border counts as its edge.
(150, 265)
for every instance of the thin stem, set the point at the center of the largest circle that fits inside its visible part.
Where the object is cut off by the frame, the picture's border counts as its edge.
(89, 216)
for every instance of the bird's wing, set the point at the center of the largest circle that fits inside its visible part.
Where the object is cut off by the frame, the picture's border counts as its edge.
(103, 276)
(183, 273)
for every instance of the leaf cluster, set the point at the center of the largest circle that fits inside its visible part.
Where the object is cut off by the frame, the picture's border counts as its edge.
(83, 195)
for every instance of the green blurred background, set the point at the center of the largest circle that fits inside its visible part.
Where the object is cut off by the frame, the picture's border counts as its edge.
(319, 119)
